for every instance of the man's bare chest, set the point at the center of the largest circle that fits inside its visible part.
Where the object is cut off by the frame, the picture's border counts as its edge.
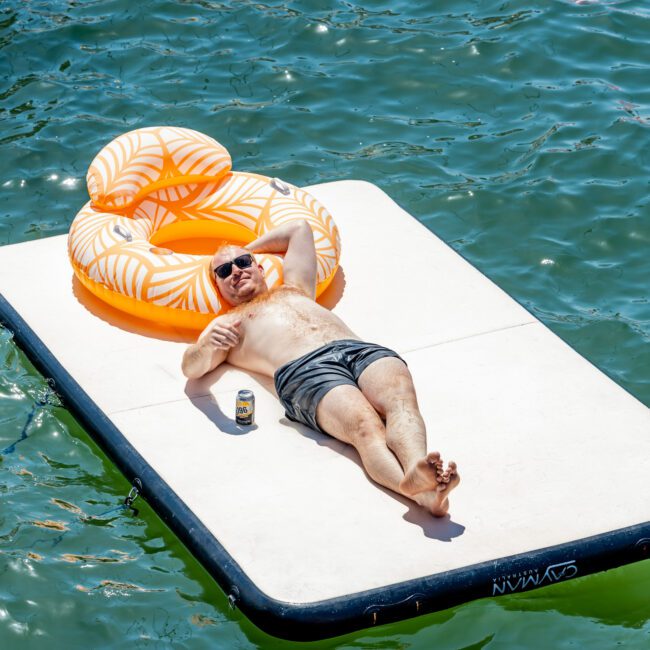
(281, 314)
(280, 329)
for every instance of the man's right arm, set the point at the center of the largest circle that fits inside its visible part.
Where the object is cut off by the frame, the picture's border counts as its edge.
(295, 240)
(211, 348)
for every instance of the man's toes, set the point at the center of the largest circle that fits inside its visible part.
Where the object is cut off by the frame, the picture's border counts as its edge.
(433, 458)
(450, 472)
(455, 480)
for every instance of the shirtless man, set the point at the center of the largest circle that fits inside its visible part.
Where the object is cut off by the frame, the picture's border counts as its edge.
(325, 376)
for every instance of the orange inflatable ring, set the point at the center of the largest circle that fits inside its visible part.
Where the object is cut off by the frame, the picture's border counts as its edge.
(162, 199)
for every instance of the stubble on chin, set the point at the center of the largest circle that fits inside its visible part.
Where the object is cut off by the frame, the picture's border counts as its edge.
(245, 289)
(243, 292)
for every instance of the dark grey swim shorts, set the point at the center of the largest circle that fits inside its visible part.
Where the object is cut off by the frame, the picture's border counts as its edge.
(303, 382)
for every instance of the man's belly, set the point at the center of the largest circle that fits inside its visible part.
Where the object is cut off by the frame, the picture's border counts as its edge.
(266, 356)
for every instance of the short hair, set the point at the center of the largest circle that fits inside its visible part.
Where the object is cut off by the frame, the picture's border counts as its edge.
(225, 246)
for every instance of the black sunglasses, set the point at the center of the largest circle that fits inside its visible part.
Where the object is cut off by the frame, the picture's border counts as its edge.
(243, 262)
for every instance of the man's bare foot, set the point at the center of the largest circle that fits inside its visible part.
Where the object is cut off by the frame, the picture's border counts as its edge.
(426, 475)
(436, 501)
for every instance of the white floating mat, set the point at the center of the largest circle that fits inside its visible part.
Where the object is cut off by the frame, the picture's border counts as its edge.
(554, 456)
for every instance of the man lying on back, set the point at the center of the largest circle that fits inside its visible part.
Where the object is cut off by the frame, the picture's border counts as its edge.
(326, 377)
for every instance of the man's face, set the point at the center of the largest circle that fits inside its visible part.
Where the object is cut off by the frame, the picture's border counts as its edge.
(241, 285)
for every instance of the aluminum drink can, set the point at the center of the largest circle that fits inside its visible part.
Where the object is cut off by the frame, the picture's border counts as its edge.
(245, 407)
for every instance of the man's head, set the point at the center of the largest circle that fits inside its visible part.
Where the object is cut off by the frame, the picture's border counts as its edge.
(238, 276)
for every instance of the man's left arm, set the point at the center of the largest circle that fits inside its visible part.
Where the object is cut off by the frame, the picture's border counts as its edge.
(296, 241)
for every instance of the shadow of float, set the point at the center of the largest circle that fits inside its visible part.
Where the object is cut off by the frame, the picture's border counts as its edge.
(116, 318)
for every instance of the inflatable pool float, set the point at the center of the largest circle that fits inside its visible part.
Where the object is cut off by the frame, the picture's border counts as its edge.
(162, 199)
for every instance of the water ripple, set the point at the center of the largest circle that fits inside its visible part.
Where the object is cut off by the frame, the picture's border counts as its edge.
(517, 132)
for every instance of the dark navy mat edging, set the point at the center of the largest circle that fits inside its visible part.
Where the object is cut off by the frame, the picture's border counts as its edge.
(323, 619)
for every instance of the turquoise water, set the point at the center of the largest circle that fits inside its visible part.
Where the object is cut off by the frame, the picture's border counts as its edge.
(518, 132)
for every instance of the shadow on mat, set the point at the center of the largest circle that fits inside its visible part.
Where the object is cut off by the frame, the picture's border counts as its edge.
(200, 394)
(209, 406)
(126, 322)
(441, 528)
(198, 391)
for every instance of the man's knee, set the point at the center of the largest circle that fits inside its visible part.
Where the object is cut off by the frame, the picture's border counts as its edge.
(366, 427)
(399, 398)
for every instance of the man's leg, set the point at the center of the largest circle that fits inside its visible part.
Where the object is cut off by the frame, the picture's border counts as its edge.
(388, 387)
(347, 415)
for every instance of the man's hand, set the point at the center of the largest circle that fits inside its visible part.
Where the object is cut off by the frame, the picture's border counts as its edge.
(212, 348)
(221, 336)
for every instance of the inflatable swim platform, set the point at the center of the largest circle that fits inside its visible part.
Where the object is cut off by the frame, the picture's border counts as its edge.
(554, 455)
